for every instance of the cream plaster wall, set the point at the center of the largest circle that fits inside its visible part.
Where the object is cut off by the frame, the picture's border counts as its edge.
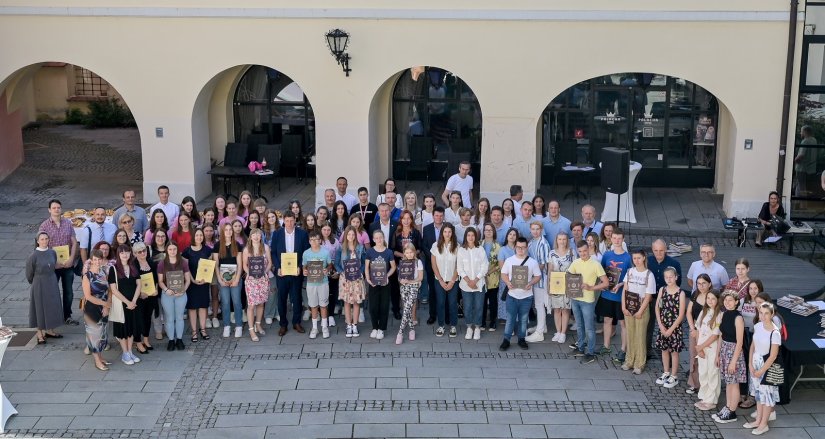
(177, 73)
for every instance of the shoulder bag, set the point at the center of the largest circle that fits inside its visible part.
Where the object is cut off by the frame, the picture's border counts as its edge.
(505, 289)
(116, 314)
(775, 375)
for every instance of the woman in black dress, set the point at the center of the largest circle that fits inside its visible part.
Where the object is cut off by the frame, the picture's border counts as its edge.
(198, 293)
(46, 306)
(148, 301)
(770, 209)
(124, 282)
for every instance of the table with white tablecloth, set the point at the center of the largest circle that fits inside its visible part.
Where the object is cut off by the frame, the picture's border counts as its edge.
(622, 203)
(6, 408)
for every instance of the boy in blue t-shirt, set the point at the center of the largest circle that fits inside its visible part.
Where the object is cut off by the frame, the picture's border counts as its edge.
(317, 292)
(616, 262)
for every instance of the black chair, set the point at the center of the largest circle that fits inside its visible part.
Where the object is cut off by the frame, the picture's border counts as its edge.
(292, 153)
(421, 152)
(272, 154)
(453, 160)
(462, 146)
(253, 140)
(235, 155)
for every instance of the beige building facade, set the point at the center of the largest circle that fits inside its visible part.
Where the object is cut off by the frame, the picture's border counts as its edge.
(177, 65)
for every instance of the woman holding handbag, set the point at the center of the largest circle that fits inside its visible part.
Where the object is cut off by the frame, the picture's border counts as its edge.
(124, 283)
(763, 357)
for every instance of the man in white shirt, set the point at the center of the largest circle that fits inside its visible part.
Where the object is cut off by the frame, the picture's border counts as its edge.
(171, 209)
(461, 182)
(519, 300)
(718, 275)
(137, 212)
(516, 194)
(342, 194)
(94, 231)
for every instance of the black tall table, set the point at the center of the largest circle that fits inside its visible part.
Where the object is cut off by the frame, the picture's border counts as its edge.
(798, 350)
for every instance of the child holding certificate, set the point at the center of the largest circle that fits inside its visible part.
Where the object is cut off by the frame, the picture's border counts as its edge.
(349, 262)
(410, 274)
(256, 265)
(317, 263)
(379, 266)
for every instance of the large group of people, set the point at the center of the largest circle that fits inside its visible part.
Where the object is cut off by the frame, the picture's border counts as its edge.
(486, 262)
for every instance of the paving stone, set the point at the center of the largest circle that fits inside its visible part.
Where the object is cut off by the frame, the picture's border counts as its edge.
(554, 418)
(379, 430)
(247, 396)
(312, 418)
(502, 417)
(634, 419)
(422, 383)
(258, 420)
(580, 431)
(376, 417)
(453, 417)
(64, 397)
(18, 422)
(391, 383)
(336, 383)
(377, 372)
(432, 430)
(557, 384)
(784, 433)
(530, 395)
(258, 384)
(475, 394)
(423, 394)
(235, 433)
(111, 422)
(53, 422)
(317, 395)
(132, 397)
(309, 431)
(640, 431)
(443, 372)
(55, 409)
(104, 386)
(266, 374)
(607, 395)
(477, 383)
(528, 431)
(281, 364)
(483, 430)
(374, 394)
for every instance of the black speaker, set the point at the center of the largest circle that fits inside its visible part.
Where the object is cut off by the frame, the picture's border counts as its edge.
(615, 170)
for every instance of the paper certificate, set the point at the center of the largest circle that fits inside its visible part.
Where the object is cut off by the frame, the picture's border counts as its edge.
(406, 269)
(62, 253)
(352, 269)
(147, 284)
(228, 272)
(256, 264)
(315, 272)
(378, 271)
(289, 264)
(206, 269)
(573, 287)
(632, 302)
(613, 276)
(175, 280)
(558, 282)
(520, 277)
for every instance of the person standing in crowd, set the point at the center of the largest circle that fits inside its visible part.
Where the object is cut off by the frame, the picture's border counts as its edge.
(364, 208)
(498, 223)
(137, 212)
(289, 239)
(174, 297)
(388, 227)
(508, 210)
(158, 253)
(750, 313)
(341, 195)
(409, 292)
(199, 291)
(592, 240)
(805, 161)
(339, 219)
(539, 207)
(638, 286)
(95, 231)
(271, 225)
(657, 263)
(245, 204)
(452, 211)
(61, 233)
(182, 232)
(257, 280)
(492, 280)
(121, 238)
(158, 221)
(671, 305)
(770, 209)
(127, 224)
(707, 352)
(472, 266)
(188, 207)
(716, 272)
(481, 214)
(357, 223)
(731, 357)
(148, 304)
(616, 262)
(406, 233)
(740, 283)
(231, 215)
(576, 235)
(443, 260)
(332, 245)
(591, 224)
(229, 261)
(465, 217)
(171, 209)
(539, 250)
(584, 308)
(295, 208)
(430, 236)
(379, 293)
(124, 282)
(351, 291)
(519, 299)
(317, 290)
(766, 342)
(555, 223)
(560, 259)
(45, 307)
(329, 199)
(425, 215)
(516, 194)
(507, 249)
(389, 186)
(694, 308)
(220, 207)
(461, 182)
(522, 223)
(96, 308)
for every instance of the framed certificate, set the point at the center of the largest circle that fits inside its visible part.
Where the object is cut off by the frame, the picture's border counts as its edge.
(289, 264)
(315, 272)
(573, 286)
(520, 276)
(227, 271)
(378, 271)
(175, 280)
(257, 264)
(352, 269)
(62, 253)
(632, 302)
(406, 269)
(147, 284)
(206, 269)
(558, 282)
(614, 275)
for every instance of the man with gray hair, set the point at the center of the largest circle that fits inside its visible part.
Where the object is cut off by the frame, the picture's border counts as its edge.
(657, 262)
(591, 224)
(329, 199)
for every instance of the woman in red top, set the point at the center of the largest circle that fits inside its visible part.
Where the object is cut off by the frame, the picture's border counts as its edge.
(182, 233)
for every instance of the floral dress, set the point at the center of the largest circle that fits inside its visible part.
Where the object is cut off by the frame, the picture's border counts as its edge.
(669, 307)
(96, 333)
(350, 291)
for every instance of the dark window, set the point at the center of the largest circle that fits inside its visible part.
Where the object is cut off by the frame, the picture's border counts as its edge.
(88, 84)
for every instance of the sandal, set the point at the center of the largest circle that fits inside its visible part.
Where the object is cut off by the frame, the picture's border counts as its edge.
(41, 340)
(747, 403)
(144, 351)
(259, 329)
(48, 335)
(194, 338)
(204, 334)
(103, 368)
(252, 334)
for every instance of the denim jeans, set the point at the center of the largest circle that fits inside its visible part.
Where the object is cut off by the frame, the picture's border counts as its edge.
(173, 309)
(424, 290)
(585, 314)
(451, 299)
(517, 311)
(227, 294)
(473, 302)
(65, 276)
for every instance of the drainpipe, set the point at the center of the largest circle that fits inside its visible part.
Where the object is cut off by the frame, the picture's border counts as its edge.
(786, 101)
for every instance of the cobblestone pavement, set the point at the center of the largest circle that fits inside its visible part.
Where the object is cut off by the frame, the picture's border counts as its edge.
(293, 387)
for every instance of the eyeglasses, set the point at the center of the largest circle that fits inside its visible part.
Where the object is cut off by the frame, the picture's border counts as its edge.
(522, 247)
(137, 252)
(127, 222)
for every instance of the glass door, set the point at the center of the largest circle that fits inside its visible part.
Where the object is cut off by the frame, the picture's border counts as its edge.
(648, 125)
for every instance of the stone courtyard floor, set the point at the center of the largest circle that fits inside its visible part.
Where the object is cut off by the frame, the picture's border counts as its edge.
(293, 387)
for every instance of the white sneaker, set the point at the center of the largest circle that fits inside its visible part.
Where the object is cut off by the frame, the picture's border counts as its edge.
(671, 382)
(661, 380)
(355, 331)
(349, 331)
(268, 320)
(215, 322)
(361, 316)
(562, 338)
(772, 417)
(325, 332)
(535, 337)
(238, 331)
(555, 337)
(331, 321)
(531, 330)
(477, 333)
(469, 334)
(208, 323)
(226, 330)
(439, 332)
(134, 358)
(313, 333)
(306, 315)
(380, 335)
(278, 318)
(374, 333)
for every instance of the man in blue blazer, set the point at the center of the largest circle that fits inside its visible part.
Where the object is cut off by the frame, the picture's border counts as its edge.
(430, 237)
(289, 239)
